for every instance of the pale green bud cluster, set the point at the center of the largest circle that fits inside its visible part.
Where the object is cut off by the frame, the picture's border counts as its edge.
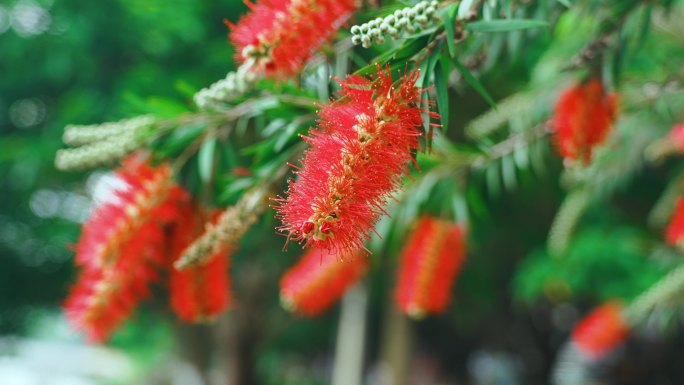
(224, 235)
(226, 89)
(101, 144)
(78, 135)
(405, 20)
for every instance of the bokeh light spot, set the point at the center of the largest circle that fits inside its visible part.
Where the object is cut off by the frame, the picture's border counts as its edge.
(30, 19)
(26, 113)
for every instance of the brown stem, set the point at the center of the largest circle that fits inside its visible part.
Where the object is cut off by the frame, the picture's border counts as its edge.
(509, 145)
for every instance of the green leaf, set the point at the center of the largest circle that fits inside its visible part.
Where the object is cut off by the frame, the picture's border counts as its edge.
(504, 25)
(460, 207)
(287, 134)
(442, 93)
(472, 80)
(449, 27)
(422, 33)
(179, 139)
(205, 161)
(407, 49)
(508, 173)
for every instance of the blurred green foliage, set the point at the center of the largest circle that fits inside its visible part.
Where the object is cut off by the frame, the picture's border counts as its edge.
(76, 61)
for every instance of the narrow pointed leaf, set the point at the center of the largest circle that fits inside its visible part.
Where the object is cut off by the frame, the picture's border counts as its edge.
(449, 27)
(442, 95)
(205, 159)
(505, 25)
(472, 80)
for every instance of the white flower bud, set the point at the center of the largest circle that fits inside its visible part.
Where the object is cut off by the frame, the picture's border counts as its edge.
(384, 27)
(390, 19)
(380, 39)
(356, 39)
(355, 30)
(248, 51)
(365, 41)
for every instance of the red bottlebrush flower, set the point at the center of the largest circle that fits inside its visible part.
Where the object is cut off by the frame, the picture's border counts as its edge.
(430, 261)
(674, 234)
(198, 293)
(584, 116)
(676, 137)
(121, 247)
(357, 158)
(602, 331)
(278, 36)
(319, 279)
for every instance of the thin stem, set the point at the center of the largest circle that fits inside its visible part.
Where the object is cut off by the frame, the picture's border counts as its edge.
(668, 289)
(514, 142)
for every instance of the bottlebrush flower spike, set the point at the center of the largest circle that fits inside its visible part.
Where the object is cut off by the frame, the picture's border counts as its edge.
(102, 299)
(278, 36)
(319, 280)
(357, 158)
(121, 247)
(430, 261)
(583, 118)
(602, 331)
(201, 292)
(674, 234)
(225, 232)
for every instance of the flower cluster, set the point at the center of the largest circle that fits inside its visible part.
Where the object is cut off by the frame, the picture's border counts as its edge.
(357, 158)
(278, 36)
(584, 116)
(601, 332)
(144, 228)
(225, 232)
(100, 144)
(121, 248)
(406, 20)
(200, 292)
(318, 280)
(77, 135)
(674, 233)
(430, 261)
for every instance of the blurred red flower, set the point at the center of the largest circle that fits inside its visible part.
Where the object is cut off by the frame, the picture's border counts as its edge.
(278, 36)
(676, 137)
(202, 292)
(601, 331)
(319, 279)
(674, 233)
(122, 247)
(430, 261)
(583, 118)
